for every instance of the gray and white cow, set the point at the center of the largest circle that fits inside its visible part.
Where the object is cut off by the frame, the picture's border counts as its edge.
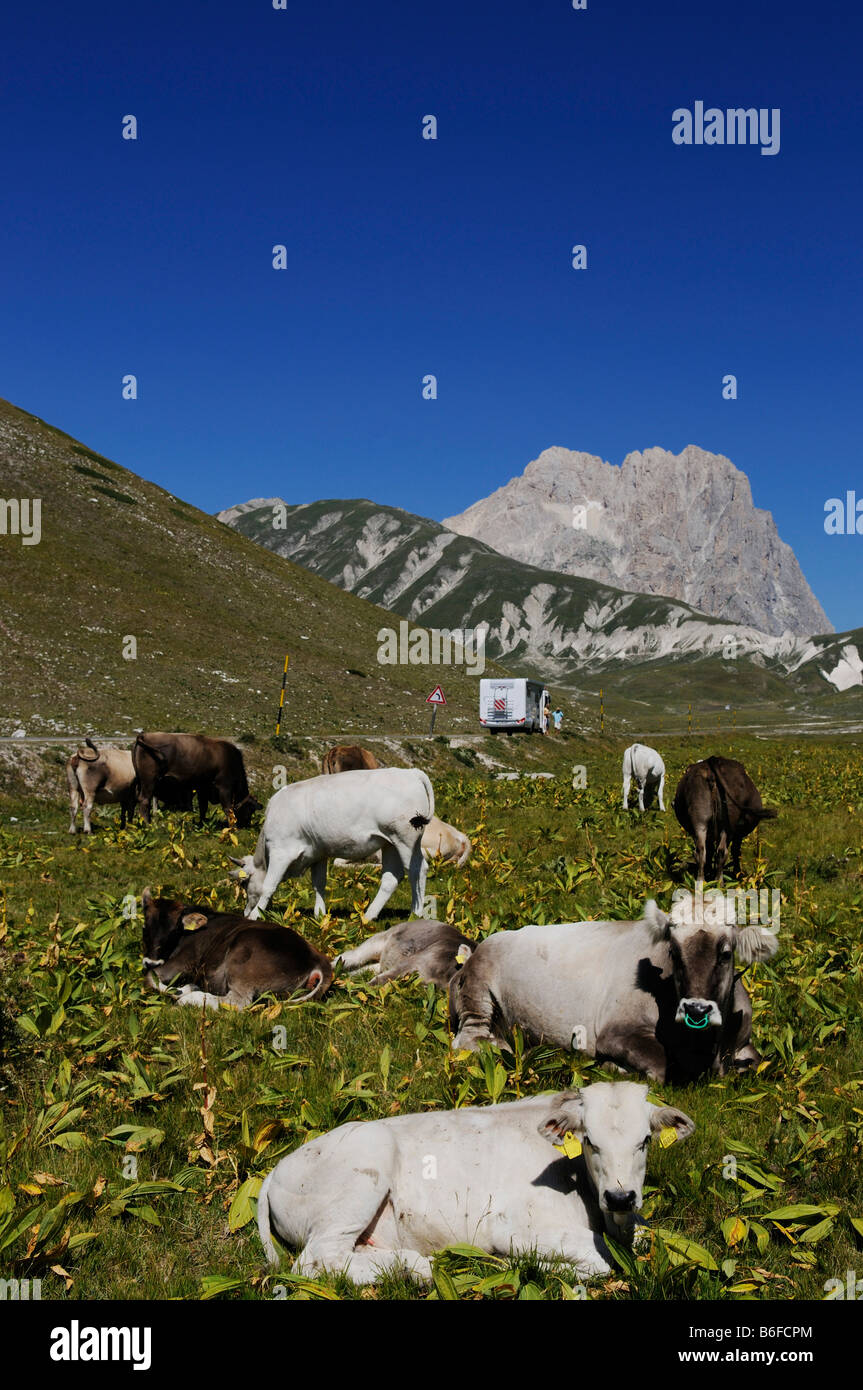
(379, 1195)
(644, 766)
(433, 950)
(351, 815)
(656, 996)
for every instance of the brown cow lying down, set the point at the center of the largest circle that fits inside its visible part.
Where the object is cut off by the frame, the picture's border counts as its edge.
(348, 757)
(439, 840)
(433, 950)
(223, 958)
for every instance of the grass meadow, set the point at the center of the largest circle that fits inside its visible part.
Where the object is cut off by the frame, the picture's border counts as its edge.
(134, 1135)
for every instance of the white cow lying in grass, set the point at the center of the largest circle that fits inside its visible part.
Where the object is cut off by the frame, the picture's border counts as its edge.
(644, 766)
(375, 1196)
(353, 814)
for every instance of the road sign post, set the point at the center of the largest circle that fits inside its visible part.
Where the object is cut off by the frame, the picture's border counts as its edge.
(436, 698)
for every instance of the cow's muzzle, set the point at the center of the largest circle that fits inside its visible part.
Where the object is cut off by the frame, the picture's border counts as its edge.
(620, 1201)
(698, 1013)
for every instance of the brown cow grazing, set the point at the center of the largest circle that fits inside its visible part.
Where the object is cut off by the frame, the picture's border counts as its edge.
(102, 776)
(433, 950)
(223, 958)
(717, 803)
(212, 767)
(348, 757)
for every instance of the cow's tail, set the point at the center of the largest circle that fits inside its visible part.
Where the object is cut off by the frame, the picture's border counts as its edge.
(465, 854)
(423, 817)
(264, 1221)
(149, 748)
(765, 813)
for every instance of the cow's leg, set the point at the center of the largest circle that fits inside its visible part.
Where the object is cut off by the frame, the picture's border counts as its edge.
(203, 804)
(366, 954)
(721, 856)
(200, 999)
(89, 798)
(579, 1248)
(318, 873)
(626, 781)
(74, 803)
(418, 872)
(700, 838)
(279, 864)
(738, 1042)
(736, 842)
(366, 1265)
(146, 791)
(641, 787)
(393, 873)
(633, 1051)
(660, 791)
(472, 1013)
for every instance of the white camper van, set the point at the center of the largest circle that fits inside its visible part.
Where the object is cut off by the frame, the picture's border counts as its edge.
(513, 705)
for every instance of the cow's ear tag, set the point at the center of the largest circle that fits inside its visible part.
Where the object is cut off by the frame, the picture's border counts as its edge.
(667, 1136)
(462, 955)
(571, 1147)
(194, 919)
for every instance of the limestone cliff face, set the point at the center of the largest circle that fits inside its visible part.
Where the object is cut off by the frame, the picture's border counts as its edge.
(682, 525)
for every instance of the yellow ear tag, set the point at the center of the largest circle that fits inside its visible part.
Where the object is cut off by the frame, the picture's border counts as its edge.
(571, 1147)
(667, 1136)
(462, 955)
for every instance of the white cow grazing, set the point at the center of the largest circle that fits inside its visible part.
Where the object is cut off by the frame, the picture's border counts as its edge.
(646, 768)
(378, 1195)
(307, 823)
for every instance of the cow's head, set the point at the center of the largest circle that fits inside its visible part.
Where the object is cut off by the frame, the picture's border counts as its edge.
(252, 875)
(244, 810)
(614, 1122)
(702, 947)
(165, 921)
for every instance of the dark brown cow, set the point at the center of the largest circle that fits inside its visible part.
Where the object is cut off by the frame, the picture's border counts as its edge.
(212, 767)
(223, 958)
(348, 757)
(717, 803)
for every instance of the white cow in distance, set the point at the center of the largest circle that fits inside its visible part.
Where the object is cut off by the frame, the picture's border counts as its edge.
(644, 766)
(379, 1195)
(352, 815)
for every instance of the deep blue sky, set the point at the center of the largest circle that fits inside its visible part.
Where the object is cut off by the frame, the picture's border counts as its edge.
(303, 126)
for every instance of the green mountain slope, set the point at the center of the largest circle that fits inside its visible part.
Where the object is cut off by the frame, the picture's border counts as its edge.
(572, 630)
(212, 615)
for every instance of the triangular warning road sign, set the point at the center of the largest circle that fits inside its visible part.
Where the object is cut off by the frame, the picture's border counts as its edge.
(437, 697)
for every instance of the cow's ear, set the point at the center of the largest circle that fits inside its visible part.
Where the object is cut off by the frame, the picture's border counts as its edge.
(193, 920)
(656, 921)
(668, 1117)
(566, 1116)
(755, 943)
(146, 898)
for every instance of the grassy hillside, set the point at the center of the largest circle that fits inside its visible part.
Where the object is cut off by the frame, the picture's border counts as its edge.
(97, 1070)
(212, 614)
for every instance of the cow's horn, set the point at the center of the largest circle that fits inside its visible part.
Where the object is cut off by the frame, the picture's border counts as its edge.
(235, 861)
